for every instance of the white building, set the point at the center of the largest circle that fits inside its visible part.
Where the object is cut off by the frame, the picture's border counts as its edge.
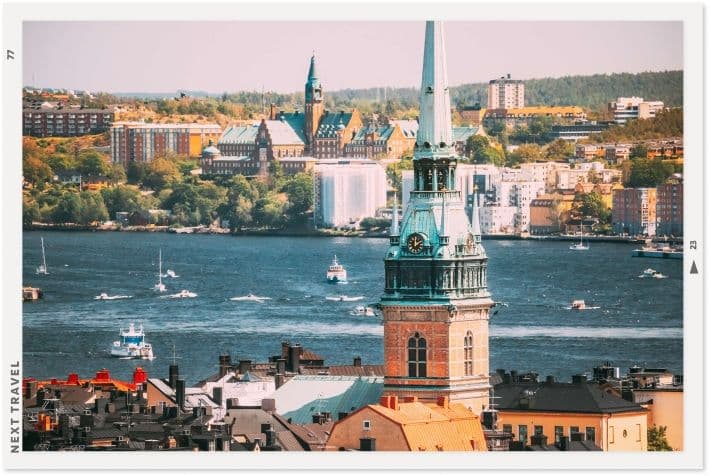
(496, 220)
(634, 108)
(348, 190)
(407, 186)
(506, 93)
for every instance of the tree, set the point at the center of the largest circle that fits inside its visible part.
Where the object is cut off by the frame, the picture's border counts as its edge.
(491, 155)
(121, 199)
(35, 171)
(299, 190)
(269, 211)
(657, 440)
(639, 151)
(559, 150)
(68, 209)
(649, 172)
(161, 172)
(475, 145)
(394, 172)
(136, 172)
(591, 205)
(92, 208)
(30, 211)
(91, 162)
(525, 153)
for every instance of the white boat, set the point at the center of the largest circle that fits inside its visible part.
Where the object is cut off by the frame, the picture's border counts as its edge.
(578, 304)
(344, 298)
(182, 294)
(652, 273)
(106, 297)
(366, 311)
(661, 250)
(160, 287)
(250, 297)
(42, 269)
(171, 274)
(336, 272)
(132, 344)
(579, 246)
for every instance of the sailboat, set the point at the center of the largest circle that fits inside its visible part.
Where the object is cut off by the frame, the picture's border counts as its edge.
(42, 269)
(579, 246)
(160, 287)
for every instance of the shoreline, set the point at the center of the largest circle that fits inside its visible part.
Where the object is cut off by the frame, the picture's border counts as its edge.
(324, 233)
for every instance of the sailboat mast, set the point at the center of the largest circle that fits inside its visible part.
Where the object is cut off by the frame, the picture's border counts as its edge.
(160, 266)
(44, 258)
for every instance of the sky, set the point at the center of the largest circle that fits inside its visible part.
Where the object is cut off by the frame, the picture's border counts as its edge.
(235, 56)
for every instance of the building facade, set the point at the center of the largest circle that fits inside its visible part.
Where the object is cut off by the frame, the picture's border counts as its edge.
(506, 93)
(669, 207)
(625, 109)
(435, 303)
(65, 121)
(142, 142)
(347, 190)
(633, 211)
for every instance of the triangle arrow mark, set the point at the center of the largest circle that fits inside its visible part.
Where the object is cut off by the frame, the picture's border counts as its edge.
(693, 268)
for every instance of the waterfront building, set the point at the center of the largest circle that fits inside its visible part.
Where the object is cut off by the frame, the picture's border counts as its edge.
(348, 190)
(435, 304)
(633, 211)
(139, 142)
(498, 219)
(625, 109)
(506, 93)
(669, 207)
(579, 410)
(408, 425)
(48, 120)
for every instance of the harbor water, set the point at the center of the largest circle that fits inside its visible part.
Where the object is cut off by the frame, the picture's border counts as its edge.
(633, 320)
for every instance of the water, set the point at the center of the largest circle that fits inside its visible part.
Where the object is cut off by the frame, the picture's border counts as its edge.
(639, 321)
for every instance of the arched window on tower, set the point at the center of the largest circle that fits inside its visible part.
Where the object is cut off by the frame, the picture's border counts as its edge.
(417, 355)
(468, 354)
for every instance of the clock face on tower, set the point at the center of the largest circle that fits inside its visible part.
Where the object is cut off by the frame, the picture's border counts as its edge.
(415, 243)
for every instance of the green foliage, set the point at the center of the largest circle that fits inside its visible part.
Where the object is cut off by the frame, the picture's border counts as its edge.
(269, 212)
(136, 172)
(160, 173)
(35, 171)
(559, 150)
(649, 172)
(91, 162)
(394, 172)
(657, 440)
(537, 131)
(83, 208)
(371, 223)
(299, 189)
(591, 205)
(30, 210)
(525, 153)
(121, 199)
(666, 124)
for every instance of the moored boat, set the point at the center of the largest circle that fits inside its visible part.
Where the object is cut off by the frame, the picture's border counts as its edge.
(660, 251)
(132, 344)
(31, 294)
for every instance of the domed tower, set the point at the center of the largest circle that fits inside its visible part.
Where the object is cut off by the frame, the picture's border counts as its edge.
(435, 304)
(313, 104)
(209, 154)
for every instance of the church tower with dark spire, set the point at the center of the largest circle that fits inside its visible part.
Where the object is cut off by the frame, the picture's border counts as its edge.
(436, 304)
(313, 104)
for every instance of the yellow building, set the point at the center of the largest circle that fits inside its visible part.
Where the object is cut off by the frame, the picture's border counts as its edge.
(409, 425)
(571, 410)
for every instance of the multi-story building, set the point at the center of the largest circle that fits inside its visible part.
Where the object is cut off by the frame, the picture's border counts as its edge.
(473, 115)
(347, 190)
(634, 107)
(669, 207)
(498, 219)
(634, 211)
(239, 140)
(389, 142)
(524, 115)
(572, 411)
(142, 142)
(64, 121)
(506, 93)
(577, 131)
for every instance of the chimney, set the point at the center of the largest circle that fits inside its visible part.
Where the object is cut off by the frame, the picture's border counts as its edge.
(489, 419)
(225, 363)
(538, 440)
(180, 393)
(280, 366)
(513, 376)
(73, 379)
(550, 379)
(30, 388)
(563, 445)
(244, 366)
(508, 75)
(357, 361)
(265, 427)
(579, 379)
(272, 112)
(389, 401)
(271, 439)
(367, 444)
(139, 376)
(217, 395)
(173, 374)
(268, 405)
(294, 358)
(443, 401)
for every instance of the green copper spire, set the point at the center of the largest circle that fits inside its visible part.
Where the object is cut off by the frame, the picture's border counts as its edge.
(314, 92)
(434, 135)
(312, 76)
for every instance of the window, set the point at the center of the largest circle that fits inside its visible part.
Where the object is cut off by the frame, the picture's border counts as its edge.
(538, 430)
(417, 356)
(591, 433)
(559, 433)
(366, 424)
(573, 429)
(468, 354)
(508, 428)
(611, 435)
(523, 433)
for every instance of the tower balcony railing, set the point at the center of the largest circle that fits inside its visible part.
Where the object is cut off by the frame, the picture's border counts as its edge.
(452, 195)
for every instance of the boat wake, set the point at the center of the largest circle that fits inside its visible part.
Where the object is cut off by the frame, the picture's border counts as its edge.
(344, 298)
(585, 308)
(181, 295)
(106, 297)
(251, 298)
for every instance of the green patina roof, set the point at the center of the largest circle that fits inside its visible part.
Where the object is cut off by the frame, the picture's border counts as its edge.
(461, 134)
(383, 133)
(330, 123)
(296, 121)
(421, 220)
(239, 135)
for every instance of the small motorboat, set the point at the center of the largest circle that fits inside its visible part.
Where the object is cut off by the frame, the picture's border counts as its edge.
(171, 274)
(181, 295)
(652, 273)
(106, 297)
(250, 297)
(578, 304)
(344, 298)
(366, 311)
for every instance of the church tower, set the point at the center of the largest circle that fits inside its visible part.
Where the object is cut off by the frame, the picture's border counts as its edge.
(435, 305)
(313, 105)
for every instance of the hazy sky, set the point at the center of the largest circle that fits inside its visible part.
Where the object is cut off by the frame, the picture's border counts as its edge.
(232, 56)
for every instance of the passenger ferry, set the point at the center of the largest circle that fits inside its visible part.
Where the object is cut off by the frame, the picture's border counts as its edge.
(659, 251)
(132, 344)
(336, 273)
